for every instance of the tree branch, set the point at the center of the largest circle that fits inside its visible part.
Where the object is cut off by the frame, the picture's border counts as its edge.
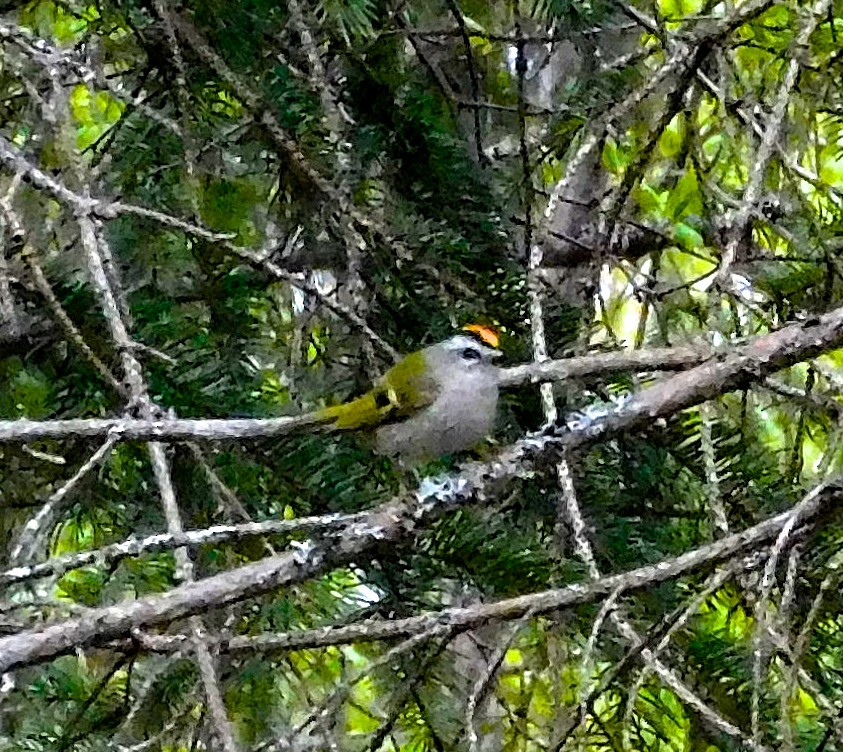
(103, 624)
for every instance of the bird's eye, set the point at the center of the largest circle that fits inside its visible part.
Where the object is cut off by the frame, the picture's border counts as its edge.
(470, 354)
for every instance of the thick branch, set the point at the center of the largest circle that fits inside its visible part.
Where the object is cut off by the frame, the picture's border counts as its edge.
(747, 364)
(390, 521)
(601, 364)
(108, 555)
(475, 482)
(103, 624)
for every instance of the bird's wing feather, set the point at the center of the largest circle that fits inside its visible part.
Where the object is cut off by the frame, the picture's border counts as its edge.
(402, 391)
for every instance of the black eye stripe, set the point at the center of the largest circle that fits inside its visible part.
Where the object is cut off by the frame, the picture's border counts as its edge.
(469, 353)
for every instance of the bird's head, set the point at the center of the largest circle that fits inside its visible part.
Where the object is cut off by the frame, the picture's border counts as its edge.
(467, 354)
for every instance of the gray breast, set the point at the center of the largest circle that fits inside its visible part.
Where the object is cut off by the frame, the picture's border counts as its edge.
(462, 415)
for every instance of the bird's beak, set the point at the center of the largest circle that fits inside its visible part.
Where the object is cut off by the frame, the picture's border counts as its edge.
(493, 353)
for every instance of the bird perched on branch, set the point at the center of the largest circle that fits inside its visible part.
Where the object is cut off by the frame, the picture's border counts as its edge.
(436, 401)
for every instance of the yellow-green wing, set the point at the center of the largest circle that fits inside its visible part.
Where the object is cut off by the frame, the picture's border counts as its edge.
(401, 391)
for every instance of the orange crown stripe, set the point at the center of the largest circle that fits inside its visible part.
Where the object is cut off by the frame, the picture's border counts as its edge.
(486, 333)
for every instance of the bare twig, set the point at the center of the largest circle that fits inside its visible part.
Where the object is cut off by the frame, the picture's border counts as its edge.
(831, 580)
(769, 141)
(106, 209)
(330, 302)
(8, 314)
(669, 677)
(472, 76)
(798, 515)
(717, 580)
(73, 334)
(65, 62)
(331, 706)
(135, 383)
(136, 546)
(46, 290)
(483, 684)
(30, 537)
(107, 623)
(712, 477)
(587, 661)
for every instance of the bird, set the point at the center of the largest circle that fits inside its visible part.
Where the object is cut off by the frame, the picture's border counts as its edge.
(437, 401)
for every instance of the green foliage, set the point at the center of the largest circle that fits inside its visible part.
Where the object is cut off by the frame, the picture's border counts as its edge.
(352, 19)
(370, 156)
(54, 20)
(27, 390)
(95, 115)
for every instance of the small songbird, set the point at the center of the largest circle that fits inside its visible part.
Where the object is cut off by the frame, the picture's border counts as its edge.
(436, 401)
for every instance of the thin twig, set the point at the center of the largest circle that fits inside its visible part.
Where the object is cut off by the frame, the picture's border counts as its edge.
(769, 141)
(483, 684)
(385, 523)
(135, 383)
(472, 77)
(29, 539)
(720, 521)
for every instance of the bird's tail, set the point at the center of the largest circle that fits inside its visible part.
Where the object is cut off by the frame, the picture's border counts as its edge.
(363, 412)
